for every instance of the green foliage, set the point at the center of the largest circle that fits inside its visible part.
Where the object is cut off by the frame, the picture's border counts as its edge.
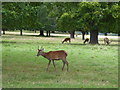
(65, 22)
(93, 16)
(68, 16)
(111, 15)
(90, 14)
(115, 9)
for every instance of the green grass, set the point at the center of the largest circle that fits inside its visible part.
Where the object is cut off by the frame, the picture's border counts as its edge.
(91, 66)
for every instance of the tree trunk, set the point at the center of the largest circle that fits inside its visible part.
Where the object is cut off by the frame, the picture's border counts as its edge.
(93, 36)
(41, 33)
(35, 30)
(21, 32)
(83, 35)
(118, 33)
(105, 34)
(49, 33)
(87, 33)
(72, 33)
(3, 31)
(53, 31)
(0, 32)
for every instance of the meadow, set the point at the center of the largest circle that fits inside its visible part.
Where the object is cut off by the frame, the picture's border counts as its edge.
(91, 66)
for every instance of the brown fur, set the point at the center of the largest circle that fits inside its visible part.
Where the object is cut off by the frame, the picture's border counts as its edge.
(54, 55)
(106, 41)
(66, 39)
(86, 40)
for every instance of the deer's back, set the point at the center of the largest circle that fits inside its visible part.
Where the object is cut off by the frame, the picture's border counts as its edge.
(66, 39)
(57, 55)
(106, 39)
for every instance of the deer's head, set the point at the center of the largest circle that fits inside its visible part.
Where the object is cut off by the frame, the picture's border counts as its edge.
(40, 51)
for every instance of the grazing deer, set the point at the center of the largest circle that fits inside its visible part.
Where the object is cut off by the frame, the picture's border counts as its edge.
(54, 55)
(66, 39)
(106, 41)
(86, 40)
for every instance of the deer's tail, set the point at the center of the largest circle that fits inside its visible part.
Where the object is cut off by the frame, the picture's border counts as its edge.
(66, 53)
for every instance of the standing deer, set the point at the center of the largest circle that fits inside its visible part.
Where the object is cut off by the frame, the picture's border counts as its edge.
(66, 39)
(86, 40)
(106, 41)
(54, 55)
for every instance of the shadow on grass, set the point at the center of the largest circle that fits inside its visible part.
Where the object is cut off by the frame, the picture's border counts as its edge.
(50, 43)
(76, 44)
(73, 44)
(110, 45)
(111, 40)
(7, 42)
(91, 44)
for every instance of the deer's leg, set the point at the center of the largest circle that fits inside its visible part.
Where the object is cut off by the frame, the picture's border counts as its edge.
(107, 42)
(69, 41)
(104, 42)
(84, 42)
(54, 64)
(48, 64)
(67, 65)
(87, 41)
(63, 65)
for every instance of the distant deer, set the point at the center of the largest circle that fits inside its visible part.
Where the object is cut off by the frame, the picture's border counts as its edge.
(66, 39)
(106, 41)
(86, 40)
(54, 55)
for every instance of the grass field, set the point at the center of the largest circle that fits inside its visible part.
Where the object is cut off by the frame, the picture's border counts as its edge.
(91, 66)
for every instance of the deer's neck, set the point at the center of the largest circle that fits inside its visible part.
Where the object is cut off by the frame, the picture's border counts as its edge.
(44, 54)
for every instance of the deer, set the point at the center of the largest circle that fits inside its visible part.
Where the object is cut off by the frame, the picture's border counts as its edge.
(86, 40)
(106, 41)
(54, 55)
(66, 39)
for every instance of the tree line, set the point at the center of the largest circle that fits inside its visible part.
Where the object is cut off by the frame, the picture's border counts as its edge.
(90, 17)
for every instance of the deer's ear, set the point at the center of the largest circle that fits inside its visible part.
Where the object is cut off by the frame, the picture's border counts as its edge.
(42, 49)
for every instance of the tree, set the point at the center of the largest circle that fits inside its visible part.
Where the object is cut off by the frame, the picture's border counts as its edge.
(67, 23)
(7, 22)
(99, 17)
(90, 17)
(65, 18)
(14, 16)
(111, 13)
